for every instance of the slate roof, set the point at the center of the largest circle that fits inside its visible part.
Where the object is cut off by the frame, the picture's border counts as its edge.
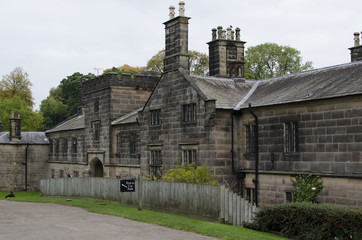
(33, 138)
(227, 92)
(128, 118)
(324, 83)
(74, 123)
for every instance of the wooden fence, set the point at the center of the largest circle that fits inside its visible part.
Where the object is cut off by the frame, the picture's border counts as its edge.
(215, 202)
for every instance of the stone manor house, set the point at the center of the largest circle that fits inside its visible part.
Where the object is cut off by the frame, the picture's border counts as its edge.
(253, 134)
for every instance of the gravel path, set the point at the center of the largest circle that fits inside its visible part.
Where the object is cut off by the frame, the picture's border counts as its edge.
(27, 221)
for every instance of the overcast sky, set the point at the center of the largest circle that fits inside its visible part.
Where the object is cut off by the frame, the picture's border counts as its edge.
(52, 39)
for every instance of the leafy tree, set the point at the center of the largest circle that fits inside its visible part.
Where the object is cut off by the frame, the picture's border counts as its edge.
(54, 112)
(199, 63)
(307, 187)
(30, 120)
(125, 69)
(17, 83)
(63, 101)
(271, 60)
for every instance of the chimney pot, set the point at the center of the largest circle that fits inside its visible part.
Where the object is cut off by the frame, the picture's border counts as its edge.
(219, 32)
(172, 12)
(213, 34)
(181, 8)
(228, 33)
(356, 39)
(237, 34)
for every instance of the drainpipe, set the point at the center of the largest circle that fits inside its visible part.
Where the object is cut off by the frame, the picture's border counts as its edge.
(255, 180)
(26, 167)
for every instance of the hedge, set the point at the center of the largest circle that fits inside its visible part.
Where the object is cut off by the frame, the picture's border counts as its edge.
(309, 221)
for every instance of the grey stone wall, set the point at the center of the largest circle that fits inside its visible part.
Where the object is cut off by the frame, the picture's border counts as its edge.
(12, 171)
(210, 134)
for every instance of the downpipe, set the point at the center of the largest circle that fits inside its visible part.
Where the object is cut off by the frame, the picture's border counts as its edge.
(255, 180)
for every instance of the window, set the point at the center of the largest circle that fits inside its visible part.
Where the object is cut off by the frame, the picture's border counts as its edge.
(52, 173)
(118, 145)
(61, 173)
(289, 197)
(51, 146)
(75, 174)
(155, 164)
(56, 142)
(250, 139)
(96, 105)
(133, 143)
(291, 137)
(189, 112)
(155, 117)
(65, 146)
(96, 131)
(74, 145)
(189, 154)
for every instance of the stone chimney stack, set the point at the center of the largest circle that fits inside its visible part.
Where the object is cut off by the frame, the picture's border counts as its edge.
(15, 128)
(356, 50)
(176, 47)
(226, 53)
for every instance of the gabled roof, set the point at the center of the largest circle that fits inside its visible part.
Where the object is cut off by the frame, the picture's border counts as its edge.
(74, 123)
(33, 138)
(227, 92)
(324, 83)
(128, 118)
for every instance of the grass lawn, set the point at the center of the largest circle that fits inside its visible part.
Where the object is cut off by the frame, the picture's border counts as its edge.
(218, 230)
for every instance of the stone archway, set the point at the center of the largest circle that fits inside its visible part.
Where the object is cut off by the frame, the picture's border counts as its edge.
(96, 168)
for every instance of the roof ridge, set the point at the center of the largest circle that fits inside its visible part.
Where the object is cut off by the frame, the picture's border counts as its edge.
(251, 91)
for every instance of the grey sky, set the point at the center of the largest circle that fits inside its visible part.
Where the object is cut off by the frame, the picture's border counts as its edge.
(53, 39)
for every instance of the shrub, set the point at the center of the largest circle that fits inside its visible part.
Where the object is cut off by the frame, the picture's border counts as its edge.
(307, 187)
(310, 221)
(189, 174)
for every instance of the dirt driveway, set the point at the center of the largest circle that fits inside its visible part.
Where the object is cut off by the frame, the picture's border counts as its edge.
(39, 221)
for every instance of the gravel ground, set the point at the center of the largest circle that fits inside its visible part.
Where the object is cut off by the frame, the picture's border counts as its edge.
(22, 220)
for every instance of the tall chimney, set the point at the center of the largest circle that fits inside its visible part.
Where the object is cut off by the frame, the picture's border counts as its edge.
(356, 50)
(15, 128)
(176, 43)
(226, 53)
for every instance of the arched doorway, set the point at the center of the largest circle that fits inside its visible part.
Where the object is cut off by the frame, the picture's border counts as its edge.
(97, 168)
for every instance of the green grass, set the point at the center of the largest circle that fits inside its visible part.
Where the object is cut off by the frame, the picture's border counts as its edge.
(218, 230)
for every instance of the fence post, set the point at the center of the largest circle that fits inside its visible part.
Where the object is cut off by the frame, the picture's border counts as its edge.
(222, 203)
(140, 195)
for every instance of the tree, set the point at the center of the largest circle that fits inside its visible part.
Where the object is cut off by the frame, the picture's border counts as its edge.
(53, 111)
(30, 120)
(63, 101)
(271, 60)
(125, 69)
(199, 63)
(17, 83)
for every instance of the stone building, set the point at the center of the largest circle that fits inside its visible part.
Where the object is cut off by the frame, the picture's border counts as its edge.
(103, 140)
(254, 134)
(23, 156)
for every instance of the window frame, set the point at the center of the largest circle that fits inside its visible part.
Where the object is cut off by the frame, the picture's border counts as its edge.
(155, 117)
(74, 146)
(189, 113)
(96, 130)
(155, 163)
(291, 137)
(250, 139)
(186, 152)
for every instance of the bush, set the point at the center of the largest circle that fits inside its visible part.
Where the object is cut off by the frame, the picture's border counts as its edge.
(310, 221)
(307, 187)
(190, 173)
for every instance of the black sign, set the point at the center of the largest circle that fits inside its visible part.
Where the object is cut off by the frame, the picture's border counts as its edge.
(128, 186)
